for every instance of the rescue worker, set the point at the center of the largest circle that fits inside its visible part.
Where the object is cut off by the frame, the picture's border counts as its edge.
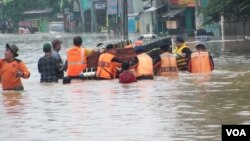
(55, 54)
(201, 61)
(126, 76)
(76, 61)
(183, 53)
(143, 64)
(12, 69)
(106, 69)
(166, 62)
(48, 66)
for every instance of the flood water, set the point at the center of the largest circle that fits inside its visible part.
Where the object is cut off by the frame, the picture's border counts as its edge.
(190, 107)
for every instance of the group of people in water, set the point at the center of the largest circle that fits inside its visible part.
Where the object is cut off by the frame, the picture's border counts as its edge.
(142, 66)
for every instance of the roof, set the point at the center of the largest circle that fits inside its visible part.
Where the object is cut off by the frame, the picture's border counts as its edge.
(44, 11)
(133, 14)
(172, 13)
(153, 8)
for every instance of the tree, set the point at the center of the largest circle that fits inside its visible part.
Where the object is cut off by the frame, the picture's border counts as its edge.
(232, 10)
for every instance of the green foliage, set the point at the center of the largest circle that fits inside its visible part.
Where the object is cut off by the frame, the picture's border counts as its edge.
(232, 10)
(13, 9)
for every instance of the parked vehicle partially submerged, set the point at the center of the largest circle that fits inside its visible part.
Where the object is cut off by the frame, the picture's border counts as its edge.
(148, 37)
(27, 27)
(56, 27)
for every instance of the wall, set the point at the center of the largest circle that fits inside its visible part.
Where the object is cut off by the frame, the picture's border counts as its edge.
(146, 23)
(190, 20)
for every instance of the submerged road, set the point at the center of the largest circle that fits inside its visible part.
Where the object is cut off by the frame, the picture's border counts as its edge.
(190, 107)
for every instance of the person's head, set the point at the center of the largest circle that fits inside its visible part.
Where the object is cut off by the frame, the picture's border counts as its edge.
(179, 41)
(56, 44)
(47, 48)
(200, 47)
(11, 51)
(77, 41)
(125, 65)
(138, 43)
(139, 49)
(165, 47)
(110, 48)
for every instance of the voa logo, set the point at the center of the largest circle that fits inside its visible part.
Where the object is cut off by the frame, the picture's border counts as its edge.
(236, 132)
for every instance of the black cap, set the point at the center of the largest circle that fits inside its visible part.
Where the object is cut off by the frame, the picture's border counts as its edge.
(180, 39)
(109, 46)
(77, 41)
(200, 46)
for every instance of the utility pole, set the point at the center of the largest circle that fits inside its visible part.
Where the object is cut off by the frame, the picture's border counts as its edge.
(125, 19)
(82, 15)
(168, 18)
(118, 19)
(93, 16)
(196, 15)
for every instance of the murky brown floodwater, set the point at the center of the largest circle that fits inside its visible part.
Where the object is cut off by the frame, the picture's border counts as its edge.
(191, 107)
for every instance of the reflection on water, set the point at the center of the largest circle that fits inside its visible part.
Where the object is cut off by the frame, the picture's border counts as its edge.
(190, 107)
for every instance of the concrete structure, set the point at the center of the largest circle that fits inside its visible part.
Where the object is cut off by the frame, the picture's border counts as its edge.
(134, 10)
(39, 18)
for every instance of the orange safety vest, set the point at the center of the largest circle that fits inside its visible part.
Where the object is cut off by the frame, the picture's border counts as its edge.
(145, 65)
(106, 69)
(77, 61)
(200, 63)
(168, 65)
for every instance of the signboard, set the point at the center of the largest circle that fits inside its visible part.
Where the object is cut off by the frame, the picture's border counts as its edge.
(182, 2)
(171, 24)
(100, 6)
(85, 4)
(112, 7)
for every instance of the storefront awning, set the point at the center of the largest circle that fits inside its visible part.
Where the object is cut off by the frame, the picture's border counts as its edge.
(172, 13)
(133, 14)
(153, 8)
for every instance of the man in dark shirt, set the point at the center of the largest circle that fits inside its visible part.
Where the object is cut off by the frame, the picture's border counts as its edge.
(48, 66)
(56, 44)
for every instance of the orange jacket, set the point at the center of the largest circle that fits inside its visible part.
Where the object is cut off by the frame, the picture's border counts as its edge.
(200, 63)
(168, 65)
(8, 74)
(106, 69)
(145, 65)
(77, 61)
